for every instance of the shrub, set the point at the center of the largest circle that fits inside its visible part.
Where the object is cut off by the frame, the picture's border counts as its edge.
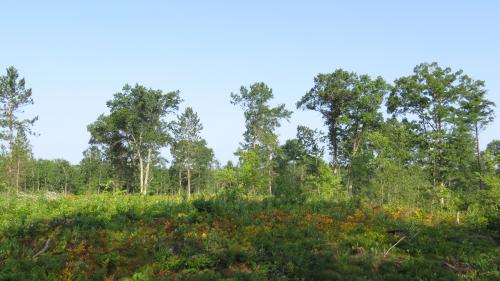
(203, 205)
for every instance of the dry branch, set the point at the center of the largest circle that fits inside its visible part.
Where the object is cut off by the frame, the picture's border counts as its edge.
(45, 248)
(387, 252)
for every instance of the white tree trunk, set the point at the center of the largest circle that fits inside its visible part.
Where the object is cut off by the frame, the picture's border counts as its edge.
(146, 176)
(189, 182)
(141, 174)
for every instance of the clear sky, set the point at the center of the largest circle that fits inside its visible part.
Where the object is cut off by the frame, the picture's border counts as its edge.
(76, 56)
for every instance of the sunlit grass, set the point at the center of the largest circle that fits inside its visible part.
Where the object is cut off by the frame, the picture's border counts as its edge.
(110, 236)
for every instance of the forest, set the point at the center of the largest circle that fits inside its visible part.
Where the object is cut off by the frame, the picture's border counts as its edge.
(394, 186)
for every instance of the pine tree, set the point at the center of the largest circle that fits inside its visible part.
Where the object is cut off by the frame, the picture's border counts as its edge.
(14, 96)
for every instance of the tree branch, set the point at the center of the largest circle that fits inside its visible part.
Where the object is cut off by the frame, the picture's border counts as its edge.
(387, 252)
(45, 248)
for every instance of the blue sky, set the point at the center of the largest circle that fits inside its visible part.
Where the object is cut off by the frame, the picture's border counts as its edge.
(75, 56)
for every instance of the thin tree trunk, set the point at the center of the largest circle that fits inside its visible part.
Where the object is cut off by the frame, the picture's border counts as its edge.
(146, 177)
(335, 150)
(11, 143)
(180, 180)
(141, 174)
(89, 179)
(478, 153)
(17, 175)
(37, 179)
(99, 178)
(189, 182)
(270, 183)
(32, 179)
(65, 186)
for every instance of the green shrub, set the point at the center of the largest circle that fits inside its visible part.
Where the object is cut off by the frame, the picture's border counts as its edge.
(203, 205)
(99, 237)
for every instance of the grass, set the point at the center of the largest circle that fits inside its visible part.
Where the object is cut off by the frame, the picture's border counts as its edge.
(127, 237)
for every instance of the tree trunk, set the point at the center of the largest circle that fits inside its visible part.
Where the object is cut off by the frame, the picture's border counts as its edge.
(32, 180)
(180, 180)
(99, 178)
(478, 153)
(65, 186)
(37, 179)
(270, 182)
(189, 182)
(146, 177)
(89, 179)
(333, 139)
(141, 174)
(17, 175)
(10, 122)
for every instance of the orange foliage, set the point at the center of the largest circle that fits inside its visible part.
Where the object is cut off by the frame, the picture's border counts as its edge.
(428, 219)
(169, 227)
(274, 215)
(321, 221)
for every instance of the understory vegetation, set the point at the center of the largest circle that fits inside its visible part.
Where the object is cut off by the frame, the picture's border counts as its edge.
(125, 237)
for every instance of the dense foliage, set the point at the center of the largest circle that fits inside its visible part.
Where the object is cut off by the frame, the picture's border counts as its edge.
(427, 146)
(406, 195)
(124, 237)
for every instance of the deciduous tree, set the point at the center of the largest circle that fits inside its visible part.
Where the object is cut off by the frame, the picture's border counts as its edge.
(349, 104)
(261, 121)
(135, 129)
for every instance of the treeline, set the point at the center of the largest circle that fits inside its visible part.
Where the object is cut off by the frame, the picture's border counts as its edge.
(423, 150)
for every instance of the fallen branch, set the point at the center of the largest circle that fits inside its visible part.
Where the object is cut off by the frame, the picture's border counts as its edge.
(457, 266)
(387, 252)
(45, 248)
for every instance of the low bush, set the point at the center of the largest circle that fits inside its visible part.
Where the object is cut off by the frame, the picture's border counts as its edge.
(123, 237)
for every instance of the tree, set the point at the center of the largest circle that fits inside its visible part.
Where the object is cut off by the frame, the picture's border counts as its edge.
(310, 140)
(302, 154)
(350, 106)
(189, 148)
(428, 96)
(226, 177)
(261, 121)
(20, 156)
(14, 96)
(302, 170)
(475, 111)
(203, 166)
(64, 175)
(53, 175)
(160, 178)
(462, 170)
(437, 100)
(95, 169)
(395, 142)
(492, 156)
(254, 171)
(135, 130)
(394, 172)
